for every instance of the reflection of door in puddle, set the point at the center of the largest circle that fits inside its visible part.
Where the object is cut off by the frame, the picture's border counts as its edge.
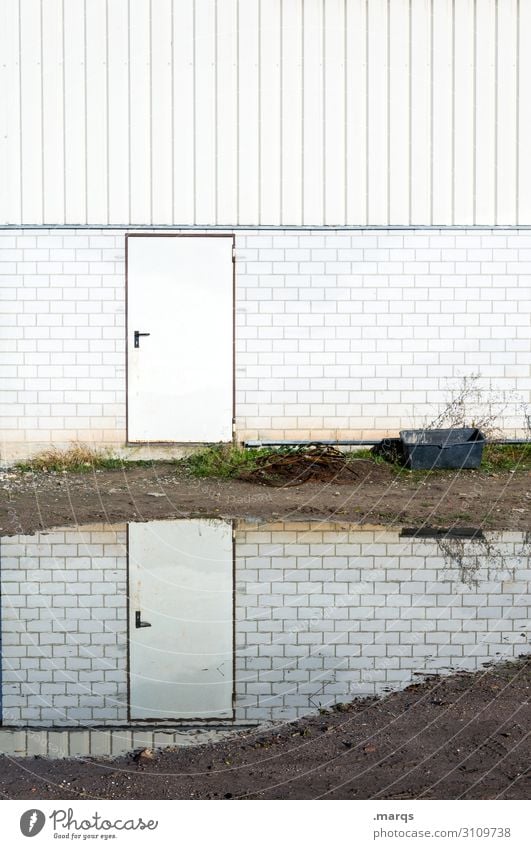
(180, 619)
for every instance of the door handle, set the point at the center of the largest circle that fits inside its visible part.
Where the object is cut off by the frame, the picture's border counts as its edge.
(138, 334)
(138, 621)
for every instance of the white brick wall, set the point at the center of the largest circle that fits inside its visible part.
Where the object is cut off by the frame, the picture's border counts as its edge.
(356, 334)
(326, 613)
(338, 334)
(62, 366)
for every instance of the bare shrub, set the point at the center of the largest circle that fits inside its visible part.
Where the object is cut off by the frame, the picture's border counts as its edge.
(472, 404)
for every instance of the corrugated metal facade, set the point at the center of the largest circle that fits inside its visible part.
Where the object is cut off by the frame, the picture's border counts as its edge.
(274, 112)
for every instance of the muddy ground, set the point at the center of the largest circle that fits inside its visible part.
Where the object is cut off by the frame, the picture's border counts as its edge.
(378, 494)
(461, 737)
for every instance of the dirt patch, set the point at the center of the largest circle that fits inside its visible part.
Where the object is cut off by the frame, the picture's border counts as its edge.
(319, 464)
(377, 494)
(461, 737)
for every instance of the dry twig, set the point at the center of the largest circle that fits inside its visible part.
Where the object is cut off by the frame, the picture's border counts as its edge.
(321, 463)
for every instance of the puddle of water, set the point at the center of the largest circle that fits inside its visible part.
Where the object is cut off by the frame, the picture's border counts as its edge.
(138, 628)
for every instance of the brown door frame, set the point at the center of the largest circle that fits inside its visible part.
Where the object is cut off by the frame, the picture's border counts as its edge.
(166, 235)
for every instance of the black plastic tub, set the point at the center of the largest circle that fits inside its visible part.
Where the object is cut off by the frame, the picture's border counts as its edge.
(452, 448)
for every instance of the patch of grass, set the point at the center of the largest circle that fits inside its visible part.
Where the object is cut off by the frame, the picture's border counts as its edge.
(229, 461)
(222, 461)
(362, 454)
(78, 458)
(505, 458)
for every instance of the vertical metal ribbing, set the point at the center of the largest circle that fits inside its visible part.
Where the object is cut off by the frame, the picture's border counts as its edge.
(323, 84)
(41, 59)
(345, 107)
(216, 173)
(410, 113)
(281, 107)
(496, 60)
(453, 113)
(367, 75)
(237, 111)
(431, 110)
(150, 117)
(194, 112)
(172, 125)
(388, 108)
(474, 113)
(21, 179)
(85, 104)
(107, 113)
(63, 95)
(259, 108)
(445, 46)
(129, 169)
(303, 201)
(517, 128)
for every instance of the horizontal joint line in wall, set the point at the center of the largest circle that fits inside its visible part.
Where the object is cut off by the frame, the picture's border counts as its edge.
(229, 228)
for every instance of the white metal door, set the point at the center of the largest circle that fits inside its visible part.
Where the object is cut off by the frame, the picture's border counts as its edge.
(180, 619)
(180, 376)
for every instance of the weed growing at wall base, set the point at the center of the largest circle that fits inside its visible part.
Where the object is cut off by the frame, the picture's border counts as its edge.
(78, 458)
(222, 461)
(231, 461)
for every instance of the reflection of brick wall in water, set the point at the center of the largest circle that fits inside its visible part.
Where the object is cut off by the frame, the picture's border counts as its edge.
(324, 614)
(64, 627)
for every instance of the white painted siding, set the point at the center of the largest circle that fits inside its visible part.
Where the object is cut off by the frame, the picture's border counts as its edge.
(272, 112)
